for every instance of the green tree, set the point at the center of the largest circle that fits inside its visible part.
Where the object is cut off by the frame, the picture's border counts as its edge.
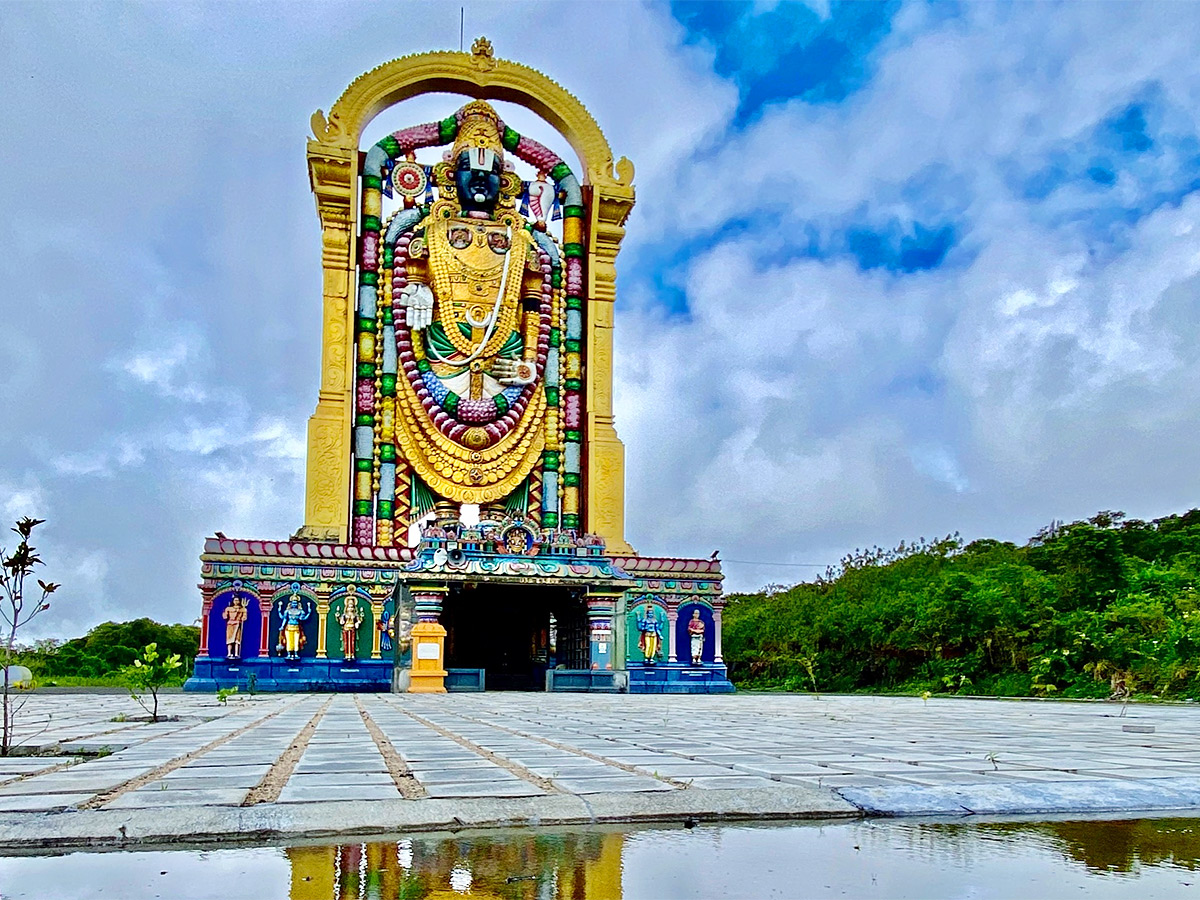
(1077, 610)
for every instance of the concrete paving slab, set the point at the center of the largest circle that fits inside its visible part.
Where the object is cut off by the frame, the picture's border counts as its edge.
(682, 768)
(474, 761)
(173, 782)
(307, 766)
(1016, 798)
(498, 788)
(726, 783)
(460, 776)
(604, 784)
(775, 771)
(594, 770)
(291, 794)
(310, 779)
(181, 799)
(41, 802)
(204, 771)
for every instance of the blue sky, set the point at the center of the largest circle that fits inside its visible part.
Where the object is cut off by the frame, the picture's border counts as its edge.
(895, 269)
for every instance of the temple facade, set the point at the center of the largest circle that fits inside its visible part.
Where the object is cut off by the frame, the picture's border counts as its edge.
(464, 516)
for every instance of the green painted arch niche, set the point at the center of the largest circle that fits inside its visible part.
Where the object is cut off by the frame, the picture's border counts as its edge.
(645, 606)
(333, 628)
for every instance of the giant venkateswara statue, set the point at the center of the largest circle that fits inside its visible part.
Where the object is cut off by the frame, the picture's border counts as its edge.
(467, 353)
(467, 304)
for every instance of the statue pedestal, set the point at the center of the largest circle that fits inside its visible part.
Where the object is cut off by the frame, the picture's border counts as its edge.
(428, 675)
(679, 678)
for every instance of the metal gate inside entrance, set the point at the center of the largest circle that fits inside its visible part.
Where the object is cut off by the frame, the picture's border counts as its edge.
(514, 633)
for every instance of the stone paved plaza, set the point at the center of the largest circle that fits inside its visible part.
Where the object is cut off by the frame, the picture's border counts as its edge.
(321, 764)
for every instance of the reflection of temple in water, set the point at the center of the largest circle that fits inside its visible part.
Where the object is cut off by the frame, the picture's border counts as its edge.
(557, 866)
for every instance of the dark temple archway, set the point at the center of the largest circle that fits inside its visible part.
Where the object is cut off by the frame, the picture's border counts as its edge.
(515, 632)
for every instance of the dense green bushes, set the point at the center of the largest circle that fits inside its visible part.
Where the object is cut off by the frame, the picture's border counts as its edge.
(108, 648)
(1090, 609)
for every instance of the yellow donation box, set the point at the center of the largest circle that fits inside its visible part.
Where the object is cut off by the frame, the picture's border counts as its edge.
(428, 675)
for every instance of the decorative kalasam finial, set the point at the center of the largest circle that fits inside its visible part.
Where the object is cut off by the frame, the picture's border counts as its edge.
(482, 55)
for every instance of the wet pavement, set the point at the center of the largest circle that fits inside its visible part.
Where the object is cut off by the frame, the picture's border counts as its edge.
(298, 764)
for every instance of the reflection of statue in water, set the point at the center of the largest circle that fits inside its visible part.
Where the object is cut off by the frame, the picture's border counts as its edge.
(291, 625)
(350, 619)
(649, 635)
(696, 634)
(477, 310)
(235, 616)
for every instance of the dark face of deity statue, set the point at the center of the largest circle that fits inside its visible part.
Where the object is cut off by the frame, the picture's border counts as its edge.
(478, 188)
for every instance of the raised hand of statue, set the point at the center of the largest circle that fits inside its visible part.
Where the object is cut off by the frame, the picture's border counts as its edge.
(418, 301)
(514, 371)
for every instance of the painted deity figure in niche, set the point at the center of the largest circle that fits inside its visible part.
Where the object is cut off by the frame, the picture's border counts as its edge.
(351, 617)
(386, 627)
(235, 616)
(696, 636)
(476, 307)
(649, 635)
(402, 630)
(291, 626)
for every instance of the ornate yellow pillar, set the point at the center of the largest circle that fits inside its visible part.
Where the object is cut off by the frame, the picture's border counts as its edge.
(612, 202)
(323, 592)
(333, 172)
(379, 594)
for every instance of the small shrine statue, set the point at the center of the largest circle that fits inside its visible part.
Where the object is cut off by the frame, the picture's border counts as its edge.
(649, 636)
(235, 616)
(696, 634)
(350, 619)
(291, 630)
(386, 627)
(402, 630)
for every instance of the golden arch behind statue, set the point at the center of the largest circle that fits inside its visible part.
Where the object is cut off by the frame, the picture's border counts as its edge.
(479, 75)
(333, 161)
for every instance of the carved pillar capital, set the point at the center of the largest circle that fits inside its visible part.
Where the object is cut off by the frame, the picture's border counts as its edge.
(428, 600)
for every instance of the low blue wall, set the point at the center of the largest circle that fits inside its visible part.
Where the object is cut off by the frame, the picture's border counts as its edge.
(594, 681)
(465, 680)
(308, 674)
(679, 678)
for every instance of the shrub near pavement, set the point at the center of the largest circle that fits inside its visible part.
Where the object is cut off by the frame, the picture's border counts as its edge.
(99, 657)
(1097, 608)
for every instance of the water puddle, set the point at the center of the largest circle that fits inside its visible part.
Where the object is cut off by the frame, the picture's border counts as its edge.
(1143, 858)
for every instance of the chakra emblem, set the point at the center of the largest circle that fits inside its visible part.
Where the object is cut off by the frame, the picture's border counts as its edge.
(409, 179)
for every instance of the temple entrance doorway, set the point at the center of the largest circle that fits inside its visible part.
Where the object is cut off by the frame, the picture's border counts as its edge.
(515, 632)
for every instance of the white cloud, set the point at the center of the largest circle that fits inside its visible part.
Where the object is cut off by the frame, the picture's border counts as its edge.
(26, 498)
(165, 372)
(1048, 371)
